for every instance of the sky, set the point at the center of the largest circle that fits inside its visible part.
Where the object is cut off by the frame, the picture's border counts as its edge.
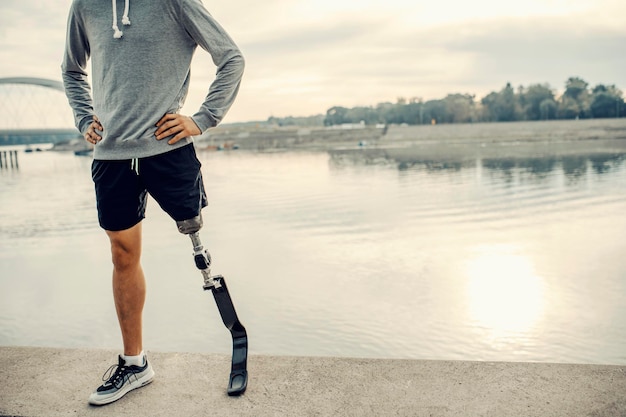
(305, 56)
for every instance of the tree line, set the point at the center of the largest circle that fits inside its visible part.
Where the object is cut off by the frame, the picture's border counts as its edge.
(535, 102)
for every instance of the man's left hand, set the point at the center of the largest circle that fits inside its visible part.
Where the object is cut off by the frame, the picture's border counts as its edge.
(178, 125)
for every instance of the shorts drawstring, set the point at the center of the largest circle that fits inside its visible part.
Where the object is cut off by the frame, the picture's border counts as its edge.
(134, 165)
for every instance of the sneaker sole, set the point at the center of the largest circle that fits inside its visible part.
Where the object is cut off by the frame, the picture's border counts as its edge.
(141, 382)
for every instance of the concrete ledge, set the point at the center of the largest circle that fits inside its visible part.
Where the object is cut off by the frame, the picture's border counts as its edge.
(37, 382)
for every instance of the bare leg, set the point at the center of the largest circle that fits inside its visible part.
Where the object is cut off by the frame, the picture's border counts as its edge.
(129, 286)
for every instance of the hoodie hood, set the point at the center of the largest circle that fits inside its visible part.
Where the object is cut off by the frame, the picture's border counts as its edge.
(117, 33)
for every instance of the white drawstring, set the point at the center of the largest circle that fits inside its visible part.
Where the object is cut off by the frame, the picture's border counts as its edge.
(134, 165)
(117, 33)
(125, 19)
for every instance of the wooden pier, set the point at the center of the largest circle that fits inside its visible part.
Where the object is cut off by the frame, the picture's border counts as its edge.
(8, 159)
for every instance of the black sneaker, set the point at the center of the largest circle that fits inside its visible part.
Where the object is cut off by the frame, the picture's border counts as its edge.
(119, 380)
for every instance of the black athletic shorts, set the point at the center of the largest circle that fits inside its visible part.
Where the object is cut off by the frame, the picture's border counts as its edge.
(173, 179)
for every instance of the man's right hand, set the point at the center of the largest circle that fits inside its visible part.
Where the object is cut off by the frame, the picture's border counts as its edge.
(92, 136)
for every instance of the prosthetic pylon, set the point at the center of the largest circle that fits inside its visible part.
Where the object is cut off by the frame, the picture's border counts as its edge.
(238, 380)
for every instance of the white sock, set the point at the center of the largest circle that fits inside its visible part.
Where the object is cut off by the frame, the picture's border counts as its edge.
(138, 360)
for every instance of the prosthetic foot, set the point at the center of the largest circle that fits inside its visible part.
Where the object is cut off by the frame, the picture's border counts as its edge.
(238, 374)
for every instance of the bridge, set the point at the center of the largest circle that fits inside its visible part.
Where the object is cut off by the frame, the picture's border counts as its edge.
(34, 110)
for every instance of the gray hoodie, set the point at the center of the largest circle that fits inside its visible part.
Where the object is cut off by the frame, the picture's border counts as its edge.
(140, 69)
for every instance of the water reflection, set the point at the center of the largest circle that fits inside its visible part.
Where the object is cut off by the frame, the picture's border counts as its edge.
(574, 166)
(540, 167)
(606, 163)
(432, 165)
(573, 162)
(510, 223)
(506, 296)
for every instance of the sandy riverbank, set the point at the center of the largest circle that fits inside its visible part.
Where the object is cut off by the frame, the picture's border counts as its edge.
(449, 137)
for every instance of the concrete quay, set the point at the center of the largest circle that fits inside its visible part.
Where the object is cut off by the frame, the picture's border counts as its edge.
(38, 382)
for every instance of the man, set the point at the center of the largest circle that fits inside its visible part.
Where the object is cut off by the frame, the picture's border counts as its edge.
(140, 78)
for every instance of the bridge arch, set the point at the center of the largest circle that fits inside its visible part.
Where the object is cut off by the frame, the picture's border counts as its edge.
(34, 110)
(42, 82)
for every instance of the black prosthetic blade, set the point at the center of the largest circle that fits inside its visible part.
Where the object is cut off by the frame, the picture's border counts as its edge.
(238, 381)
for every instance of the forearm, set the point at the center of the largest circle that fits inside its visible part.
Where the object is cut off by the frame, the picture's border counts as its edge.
(78, 94)
(222, 92)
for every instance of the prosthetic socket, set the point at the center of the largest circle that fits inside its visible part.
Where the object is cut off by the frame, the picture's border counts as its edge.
(239, 375)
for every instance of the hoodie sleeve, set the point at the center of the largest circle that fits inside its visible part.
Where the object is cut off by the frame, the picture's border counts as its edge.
(73, 72)
(227, 57)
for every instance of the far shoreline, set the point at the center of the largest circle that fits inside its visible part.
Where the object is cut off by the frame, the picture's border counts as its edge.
(557, 135)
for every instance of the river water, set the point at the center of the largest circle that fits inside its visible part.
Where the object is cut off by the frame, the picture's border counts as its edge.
(339, 254)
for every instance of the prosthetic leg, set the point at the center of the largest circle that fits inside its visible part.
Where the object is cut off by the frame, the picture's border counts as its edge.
(238, 374)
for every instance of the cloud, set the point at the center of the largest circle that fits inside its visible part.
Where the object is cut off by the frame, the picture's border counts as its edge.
(308, 39)
(32, 37)
(540, 50)
(304, 57)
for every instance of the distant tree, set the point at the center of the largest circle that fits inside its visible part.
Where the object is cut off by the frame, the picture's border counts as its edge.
(335, 116)
(601, 88)
(575, 102)
(394, 114)
(403, 111)
(548, 109)
(387, 112)
(568, 108)
(606, 101)
(410, 112)
(533, 98)
(316, 120)
(507, 104)
(368, 115)
(604, 105)
(434, 111)
(502, 106)
(575, 88)
(460, 108)
(536, 102)
(490, 107)
(413, 111)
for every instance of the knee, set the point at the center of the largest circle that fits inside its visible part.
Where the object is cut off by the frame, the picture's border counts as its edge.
(190, 226)
(124, 257)
(125, 253)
